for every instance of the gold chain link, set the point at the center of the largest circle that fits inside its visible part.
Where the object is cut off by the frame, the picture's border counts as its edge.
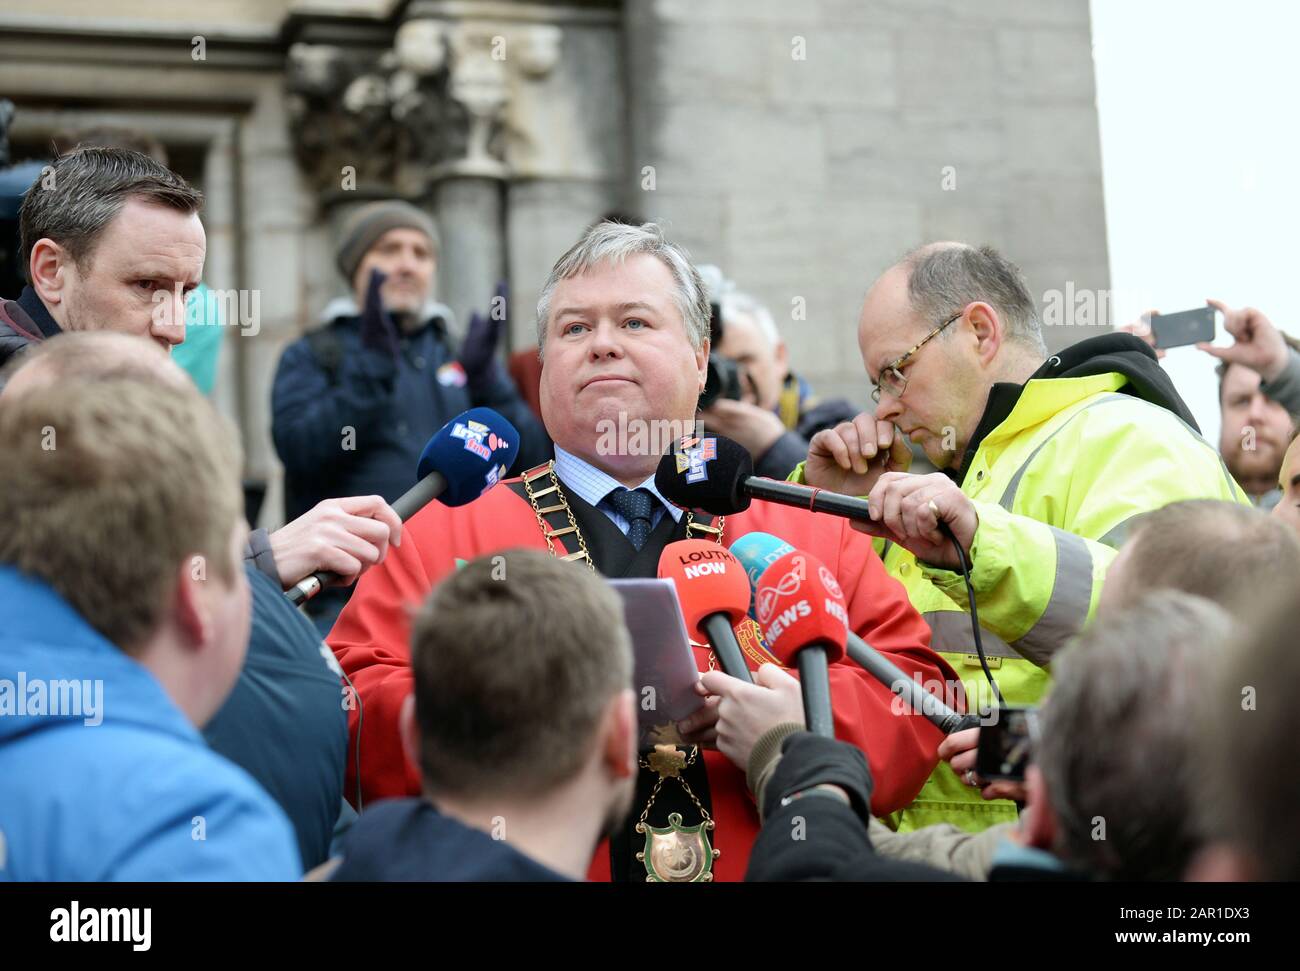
(584, 554)
(645, 764)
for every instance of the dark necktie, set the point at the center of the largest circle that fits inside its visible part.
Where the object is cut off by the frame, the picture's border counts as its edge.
(635, 507)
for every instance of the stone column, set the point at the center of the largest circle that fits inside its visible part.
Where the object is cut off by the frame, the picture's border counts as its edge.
(470, 216)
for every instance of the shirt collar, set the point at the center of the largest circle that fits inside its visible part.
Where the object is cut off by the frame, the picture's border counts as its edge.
(592, 485)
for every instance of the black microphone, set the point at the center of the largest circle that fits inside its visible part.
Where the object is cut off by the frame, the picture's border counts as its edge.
(466, 457)
(717, 475)
(892, 677)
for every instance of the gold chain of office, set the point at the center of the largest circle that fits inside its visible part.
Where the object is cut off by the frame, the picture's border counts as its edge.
(677, 854)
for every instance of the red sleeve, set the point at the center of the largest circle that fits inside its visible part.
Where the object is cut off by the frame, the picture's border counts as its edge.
(371, 641)
(901, 747)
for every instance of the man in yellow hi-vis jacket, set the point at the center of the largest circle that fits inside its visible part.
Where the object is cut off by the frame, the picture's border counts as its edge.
(1045, 461)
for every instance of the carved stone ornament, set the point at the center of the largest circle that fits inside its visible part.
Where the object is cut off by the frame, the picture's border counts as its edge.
(433, 104)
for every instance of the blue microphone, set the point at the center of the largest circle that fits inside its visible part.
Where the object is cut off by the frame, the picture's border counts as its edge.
(467, 457)
(757, 551)
(471, 453)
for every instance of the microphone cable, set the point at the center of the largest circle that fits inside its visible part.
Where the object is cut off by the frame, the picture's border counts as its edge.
(974, 613)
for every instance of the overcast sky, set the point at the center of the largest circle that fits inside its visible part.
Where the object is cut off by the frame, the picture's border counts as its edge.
(1199, 104)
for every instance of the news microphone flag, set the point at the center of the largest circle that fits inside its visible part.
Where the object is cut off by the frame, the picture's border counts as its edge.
(805, 623)
(464, 459)
(714, 594)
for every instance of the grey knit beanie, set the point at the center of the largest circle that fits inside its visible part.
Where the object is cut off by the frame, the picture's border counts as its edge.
(364, 227)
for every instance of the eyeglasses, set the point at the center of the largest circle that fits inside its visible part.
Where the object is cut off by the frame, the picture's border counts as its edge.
(892, 379)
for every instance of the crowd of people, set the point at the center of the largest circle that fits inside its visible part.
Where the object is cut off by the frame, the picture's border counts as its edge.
(473, 711)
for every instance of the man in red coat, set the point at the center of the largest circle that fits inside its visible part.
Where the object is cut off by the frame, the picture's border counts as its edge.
(623, 328)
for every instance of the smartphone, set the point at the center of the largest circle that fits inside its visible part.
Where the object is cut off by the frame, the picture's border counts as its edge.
(1184, 327)
(1007, 744)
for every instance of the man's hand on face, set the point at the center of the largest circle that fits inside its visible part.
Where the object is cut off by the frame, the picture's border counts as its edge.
(852, 456)
(1257, 344)
(344, 536)
(906, 509)
(757, 429)
(744, 712)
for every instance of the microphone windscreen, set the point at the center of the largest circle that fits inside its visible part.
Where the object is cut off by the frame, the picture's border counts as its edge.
(800, 603)
(473, 452)
(705, 472)
(709, 580)
(756, 552)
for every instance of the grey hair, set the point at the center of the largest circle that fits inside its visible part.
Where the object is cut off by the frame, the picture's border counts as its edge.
(738, 304)
(614, 242)
(80, 193)
(944, 277)
(1118, 740)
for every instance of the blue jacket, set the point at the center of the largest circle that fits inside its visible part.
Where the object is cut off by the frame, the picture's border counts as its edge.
(328, 382)
(117, 785)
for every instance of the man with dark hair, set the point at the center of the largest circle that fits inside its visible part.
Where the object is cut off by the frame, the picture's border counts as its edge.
(526, 765)
(1044, 462)
(1253, 433)
(199, 353)
(111, 239)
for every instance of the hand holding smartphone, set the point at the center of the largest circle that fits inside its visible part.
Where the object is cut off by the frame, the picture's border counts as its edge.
(1183, 328)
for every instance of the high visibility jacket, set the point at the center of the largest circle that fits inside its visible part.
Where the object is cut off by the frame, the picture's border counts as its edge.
(1056, 485)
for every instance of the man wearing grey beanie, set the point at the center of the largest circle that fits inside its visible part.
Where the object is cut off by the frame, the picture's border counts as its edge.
(355, 401)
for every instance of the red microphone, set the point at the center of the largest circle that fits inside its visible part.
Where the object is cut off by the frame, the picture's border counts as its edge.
(714, 592)
(800, 607)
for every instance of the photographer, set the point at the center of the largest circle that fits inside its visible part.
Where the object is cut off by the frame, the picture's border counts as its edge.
(756, 399)
(1259, 396)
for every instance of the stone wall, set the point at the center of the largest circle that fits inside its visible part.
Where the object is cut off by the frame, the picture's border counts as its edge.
(804, 146)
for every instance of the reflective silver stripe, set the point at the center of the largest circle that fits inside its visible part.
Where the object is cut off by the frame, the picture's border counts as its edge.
(950, 632)
(1067, 609)
(1117, 534)
(1009, 494)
